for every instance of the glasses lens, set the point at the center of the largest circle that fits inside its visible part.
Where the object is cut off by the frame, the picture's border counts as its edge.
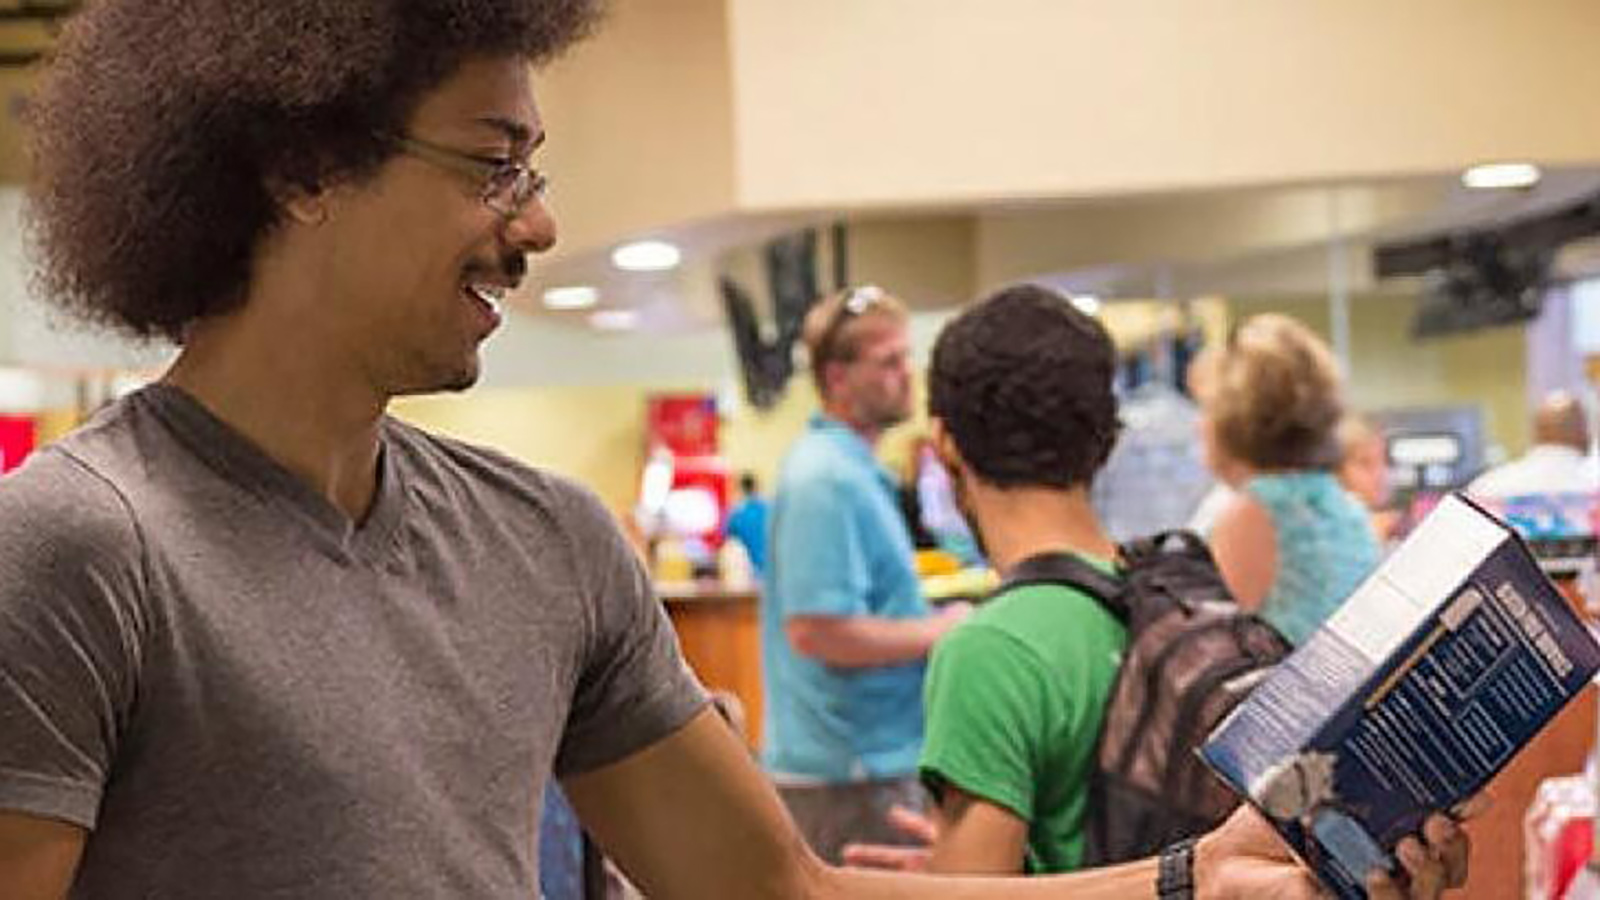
(512, 188)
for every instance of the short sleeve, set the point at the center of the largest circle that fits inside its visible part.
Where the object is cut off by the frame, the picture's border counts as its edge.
(634, 687)
(818, 555)
(71, 623)
(987, 707)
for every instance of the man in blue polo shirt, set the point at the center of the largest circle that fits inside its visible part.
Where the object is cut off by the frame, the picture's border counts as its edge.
(845, 629)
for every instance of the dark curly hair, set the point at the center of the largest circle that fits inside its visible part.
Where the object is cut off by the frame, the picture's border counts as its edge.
(1023, 383)
(159, 124)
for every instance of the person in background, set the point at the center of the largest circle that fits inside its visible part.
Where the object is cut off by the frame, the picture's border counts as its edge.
(909, 493)
(1224, 490)
(1364, 471)
(845, 628)
(1558, 461)
(1023, 416)
(747, 522)
(937, 515)
(1294, 543)
(1020, 393)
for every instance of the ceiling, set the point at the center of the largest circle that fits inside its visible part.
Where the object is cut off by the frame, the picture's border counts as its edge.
(1281, 241)
(1274, 240)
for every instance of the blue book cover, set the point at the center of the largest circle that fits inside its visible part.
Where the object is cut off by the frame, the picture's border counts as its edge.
(1424, 684)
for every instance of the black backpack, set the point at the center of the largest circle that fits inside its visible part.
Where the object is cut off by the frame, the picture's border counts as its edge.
(1191, 656)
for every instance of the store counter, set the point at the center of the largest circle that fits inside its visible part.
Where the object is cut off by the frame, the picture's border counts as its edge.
(720, 632)
(1497, 840)
(1560, 749)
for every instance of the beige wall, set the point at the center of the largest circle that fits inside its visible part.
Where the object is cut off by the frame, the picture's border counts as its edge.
(896, 102)
(1388, 369)
(640, 122)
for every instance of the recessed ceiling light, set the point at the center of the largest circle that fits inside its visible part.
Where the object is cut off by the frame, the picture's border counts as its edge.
(1501, 175)
(572, 296)
(646, 256)
(1088, 304)
(614, 319)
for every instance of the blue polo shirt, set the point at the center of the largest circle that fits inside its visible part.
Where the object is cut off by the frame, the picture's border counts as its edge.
(839, 547)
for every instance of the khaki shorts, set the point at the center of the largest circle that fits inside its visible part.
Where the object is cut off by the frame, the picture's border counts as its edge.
(832, 815)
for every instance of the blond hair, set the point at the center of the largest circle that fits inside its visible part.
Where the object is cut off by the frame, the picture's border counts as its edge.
(834, 327)
(1274, 396)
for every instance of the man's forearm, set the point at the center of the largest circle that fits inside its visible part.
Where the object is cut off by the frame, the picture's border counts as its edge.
(859, 641)
(1132, 881)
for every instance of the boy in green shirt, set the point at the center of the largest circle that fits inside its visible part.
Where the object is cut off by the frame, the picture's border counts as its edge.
(1020, 389)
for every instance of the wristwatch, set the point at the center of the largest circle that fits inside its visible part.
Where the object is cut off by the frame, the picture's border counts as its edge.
(1175, 875)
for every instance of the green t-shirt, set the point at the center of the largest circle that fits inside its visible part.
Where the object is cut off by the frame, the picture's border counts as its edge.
(1014, 700)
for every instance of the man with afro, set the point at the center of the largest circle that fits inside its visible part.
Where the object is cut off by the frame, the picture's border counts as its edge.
(258, 639)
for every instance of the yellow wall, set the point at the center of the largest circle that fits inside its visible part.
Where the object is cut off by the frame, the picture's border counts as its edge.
(14, 83)
(756, 440)
(595, 434)
(1389, 369)
(928, 261)
(51, 424)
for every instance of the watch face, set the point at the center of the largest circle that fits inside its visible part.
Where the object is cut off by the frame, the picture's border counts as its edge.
(1175, 875)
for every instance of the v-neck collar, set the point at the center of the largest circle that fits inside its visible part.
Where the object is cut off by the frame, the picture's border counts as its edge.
(247, 467)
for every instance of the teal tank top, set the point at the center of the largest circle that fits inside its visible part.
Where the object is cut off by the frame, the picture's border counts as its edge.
(1325, 544)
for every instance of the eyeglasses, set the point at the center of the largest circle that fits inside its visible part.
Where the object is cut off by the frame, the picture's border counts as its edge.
(855, 302)
(508, 185)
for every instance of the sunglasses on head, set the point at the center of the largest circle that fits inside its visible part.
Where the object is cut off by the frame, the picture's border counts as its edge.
(856, 301)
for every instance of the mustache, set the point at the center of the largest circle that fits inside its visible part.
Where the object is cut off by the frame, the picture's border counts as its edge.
(510, 268)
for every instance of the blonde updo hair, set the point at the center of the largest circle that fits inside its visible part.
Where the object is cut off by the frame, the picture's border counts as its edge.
(1274, 396)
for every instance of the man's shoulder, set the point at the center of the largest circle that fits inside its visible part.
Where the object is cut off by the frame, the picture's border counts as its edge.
(59, 512)
(818, 459)
(1045, 613)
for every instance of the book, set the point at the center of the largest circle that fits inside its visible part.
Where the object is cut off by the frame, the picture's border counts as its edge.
(1447, 660)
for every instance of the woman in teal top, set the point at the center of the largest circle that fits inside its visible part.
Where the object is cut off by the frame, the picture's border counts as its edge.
(1294, 544)
(1323, 545)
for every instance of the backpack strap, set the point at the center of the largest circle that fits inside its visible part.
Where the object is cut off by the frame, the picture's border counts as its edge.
(1063, 568)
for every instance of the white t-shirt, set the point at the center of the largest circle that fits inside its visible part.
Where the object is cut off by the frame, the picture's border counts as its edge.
(1545, 469)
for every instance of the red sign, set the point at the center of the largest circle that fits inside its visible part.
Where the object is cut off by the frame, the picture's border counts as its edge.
(685, 423)
(16, 441)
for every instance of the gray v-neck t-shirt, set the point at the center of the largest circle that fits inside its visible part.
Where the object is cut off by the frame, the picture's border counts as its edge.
(243, 694)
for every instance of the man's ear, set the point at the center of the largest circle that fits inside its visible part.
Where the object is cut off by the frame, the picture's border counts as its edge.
(306, 204)
(944, 446)
(831, 373)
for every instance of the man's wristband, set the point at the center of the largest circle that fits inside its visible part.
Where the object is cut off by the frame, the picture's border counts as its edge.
(1175, 875)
